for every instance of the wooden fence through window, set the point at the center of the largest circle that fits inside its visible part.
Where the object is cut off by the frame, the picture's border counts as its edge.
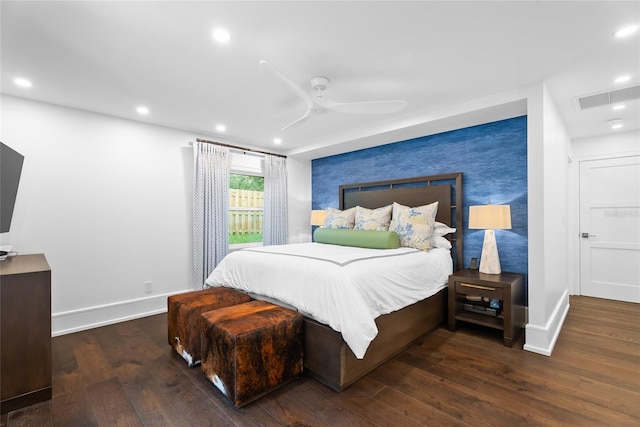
(246, 209)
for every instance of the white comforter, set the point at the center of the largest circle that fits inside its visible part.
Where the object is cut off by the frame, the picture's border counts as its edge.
(344, 287)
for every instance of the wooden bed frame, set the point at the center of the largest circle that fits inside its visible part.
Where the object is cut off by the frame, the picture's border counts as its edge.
(327, 358)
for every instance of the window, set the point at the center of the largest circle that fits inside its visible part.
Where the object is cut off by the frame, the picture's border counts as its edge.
(246, 201)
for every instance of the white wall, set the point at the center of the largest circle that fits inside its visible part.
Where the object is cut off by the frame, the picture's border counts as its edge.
(108, 201)
(548, 145)
(606, 146)
(556, 145)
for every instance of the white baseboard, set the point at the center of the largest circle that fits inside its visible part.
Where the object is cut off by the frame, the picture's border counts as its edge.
(542, 339)
(68, 322)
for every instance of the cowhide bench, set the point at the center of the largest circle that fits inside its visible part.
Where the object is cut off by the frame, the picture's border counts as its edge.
(251, 349)
(183, 317)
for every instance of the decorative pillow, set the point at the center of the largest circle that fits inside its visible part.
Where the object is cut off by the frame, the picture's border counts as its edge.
(437, 240)
(359, 238)
(373, 219)
(340, 219)
(414, 225)
(442, 229)
(440, 242)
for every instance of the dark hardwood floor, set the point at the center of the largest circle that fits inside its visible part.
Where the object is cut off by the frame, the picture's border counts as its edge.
(126, 374)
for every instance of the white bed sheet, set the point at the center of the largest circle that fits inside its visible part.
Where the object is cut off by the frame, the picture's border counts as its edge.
(344, 287)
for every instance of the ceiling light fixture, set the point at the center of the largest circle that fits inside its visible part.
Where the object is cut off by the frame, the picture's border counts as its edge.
(221, 128)
(221, 36)
(622, 79)
(619, 107)
(626, 31)
(142, 110)
(22, 82)
(277, 141)
(615, 123)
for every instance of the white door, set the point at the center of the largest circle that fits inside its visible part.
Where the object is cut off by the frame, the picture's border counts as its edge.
(610, 228)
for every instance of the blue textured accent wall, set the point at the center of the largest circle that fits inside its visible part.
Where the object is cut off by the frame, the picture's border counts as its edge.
(492, 158)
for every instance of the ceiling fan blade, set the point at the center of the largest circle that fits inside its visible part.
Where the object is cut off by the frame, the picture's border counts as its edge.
(295, 88)
(306, 116)
(370, 107)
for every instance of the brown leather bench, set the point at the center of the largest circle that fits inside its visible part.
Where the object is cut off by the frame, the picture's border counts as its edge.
(183, 317)
(251, 349)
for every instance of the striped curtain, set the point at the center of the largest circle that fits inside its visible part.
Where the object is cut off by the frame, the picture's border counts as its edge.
(275, 201)
(210, 209)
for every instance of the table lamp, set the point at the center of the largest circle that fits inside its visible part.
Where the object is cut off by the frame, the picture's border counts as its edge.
(318, 217)
(490, 217)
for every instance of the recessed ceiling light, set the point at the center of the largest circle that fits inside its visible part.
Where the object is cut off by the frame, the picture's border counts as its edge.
(22, 82)
(626, 31)
(221, 35)
(277, 141)
(142, 110)
(221, 128)
(622, 79)
(619, 107)
(615, 123)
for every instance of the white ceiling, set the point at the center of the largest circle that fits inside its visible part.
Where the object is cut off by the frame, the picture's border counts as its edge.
(110, 57)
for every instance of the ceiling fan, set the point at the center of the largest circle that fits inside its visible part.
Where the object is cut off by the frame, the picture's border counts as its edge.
(317, 103)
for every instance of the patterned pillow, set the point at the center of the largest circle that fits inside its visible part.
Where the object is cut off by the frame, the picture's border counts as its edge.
(414, 225)
(340, 219)
(373, 219)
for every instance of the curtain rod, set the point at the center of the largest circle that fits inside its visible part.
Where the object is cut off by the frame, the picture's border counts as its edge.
(239, 148)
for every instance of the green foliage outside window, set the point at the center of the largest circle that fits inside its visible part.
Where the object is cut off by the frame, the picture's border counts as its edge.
(246, 182)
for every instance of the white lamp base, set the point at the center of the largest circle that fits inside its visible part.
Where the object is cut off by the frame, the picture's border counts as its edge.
(490, 262)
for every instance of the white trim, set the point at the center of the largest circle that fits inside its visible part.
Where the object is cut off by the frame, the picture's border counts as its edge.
(573, 225)
(608, 156)
(542, 339)
(71, 321)
(574, 233)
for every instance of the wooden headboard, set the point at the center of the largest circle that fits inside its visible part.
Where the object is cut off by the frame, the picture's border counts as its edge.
(445, 188)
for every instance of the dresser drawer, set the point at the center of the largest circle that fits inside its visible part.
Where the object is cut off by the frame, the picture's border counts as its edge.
(494, 292)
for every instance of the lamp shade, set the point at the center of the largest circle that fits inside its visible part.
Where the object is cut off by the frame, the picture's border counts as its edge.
(318, 217)
(490, 217)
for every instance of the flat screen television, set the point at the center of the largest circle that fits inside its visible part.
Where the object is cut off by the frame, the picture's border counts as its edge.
(10, 169)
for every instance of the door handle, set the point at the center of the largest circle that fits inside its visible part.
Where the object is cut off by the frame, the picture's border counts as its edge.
(587, 235)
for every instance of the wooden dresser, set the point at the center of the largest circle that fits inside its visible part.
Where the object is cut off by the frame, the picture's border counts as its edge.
(25, 331)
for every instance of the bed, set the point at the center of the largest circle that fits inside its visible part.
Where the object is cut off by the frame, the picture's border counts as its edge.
(338, 359)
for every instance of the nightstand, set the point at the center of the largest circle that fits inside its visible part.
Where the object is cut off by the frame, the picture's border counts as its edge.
(492, 300)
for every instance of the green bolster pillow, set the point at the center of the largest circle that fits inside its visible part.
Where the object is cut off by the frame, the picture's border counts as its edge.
(361, 238)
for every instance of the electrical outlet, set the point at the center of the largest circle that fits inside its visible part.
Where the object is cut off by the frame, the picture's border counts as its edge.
(148, 287)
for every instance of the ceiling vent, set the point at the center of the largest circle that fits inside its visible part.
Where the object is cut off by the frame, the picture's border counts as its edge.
(609, 98)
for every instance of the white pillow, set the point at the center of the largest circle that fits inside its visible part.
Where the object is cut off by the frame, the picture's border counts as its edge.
(442, 229)
(440, 242)
(437, 240)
